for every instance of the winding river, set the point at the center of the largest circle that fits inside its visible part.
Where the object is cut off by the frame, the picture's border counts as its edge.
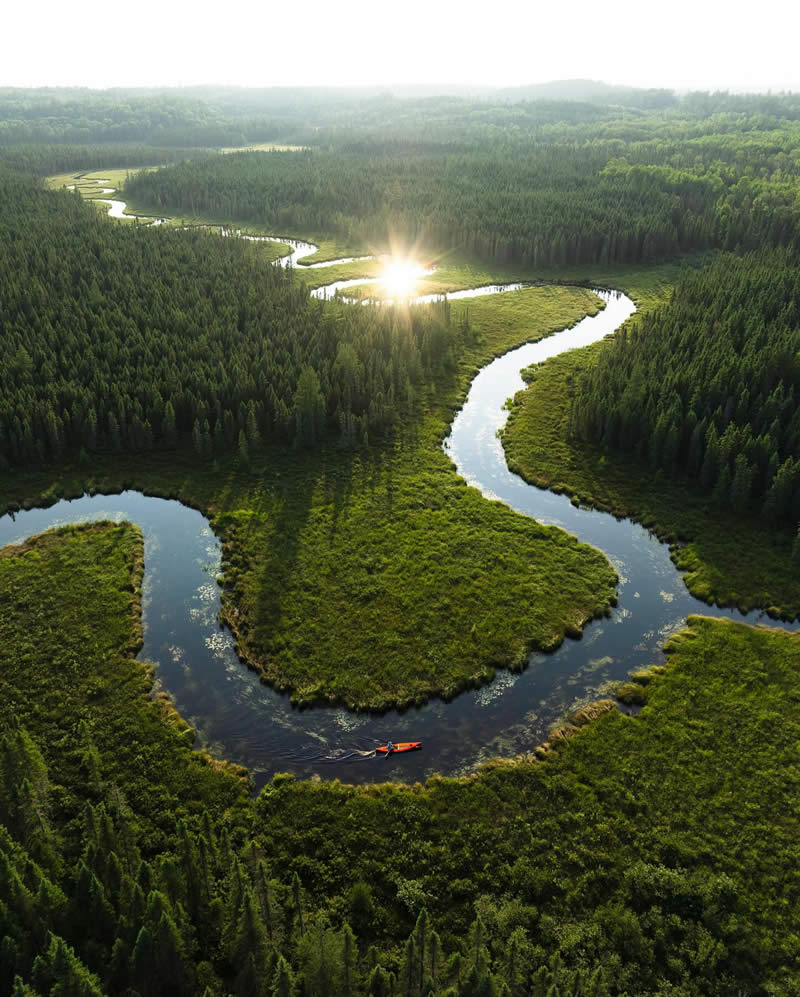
(240, 719)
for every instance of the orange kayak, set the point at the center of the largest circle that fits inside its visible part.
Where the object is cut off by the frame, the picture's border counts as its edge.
(399, 746)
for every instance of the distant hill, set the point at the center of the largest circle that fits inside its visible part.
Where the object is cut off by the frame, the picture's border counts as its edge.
(587, 90)
(594, 91)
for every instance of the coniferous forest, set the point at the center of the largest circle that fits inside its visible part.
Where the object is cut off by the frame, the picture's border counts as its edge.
(129, 339)
(709, 387)
(646, 844)
(542, 186)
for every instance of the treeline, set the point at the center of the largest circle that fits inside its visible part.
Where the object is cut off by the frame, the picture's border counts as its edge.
(709, 386)
(45, 159)
(123, 337)
(554, 201)
(160, 119)
(214, 116)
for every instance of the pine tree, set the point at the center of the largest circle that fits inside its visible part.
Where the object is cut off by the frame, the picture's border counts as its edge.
(59, 971)
(21, 989)
(264, 893)
(349, 960)
(244, 452)
(197, 438)
(8, 960)
(142, 963)
(379, 983)
(253, 434)
(742, 484)
(361, 908)
(298, 904)
(250, 937)
(514, 961)
(168, 425)
(119, 968)
(282, 980)
(309, 409)
(722, 489)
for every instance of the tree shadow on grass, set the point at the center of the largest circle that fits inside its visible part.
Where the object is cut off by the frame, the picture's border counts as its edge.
(272, 541)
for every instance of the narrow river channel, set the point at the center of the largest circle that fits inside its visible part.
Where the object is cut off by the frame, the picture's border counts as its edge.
(238, 718)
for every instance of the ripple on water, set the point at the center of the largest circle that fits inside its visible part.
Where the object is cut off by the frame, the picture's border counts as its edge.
(350, 721)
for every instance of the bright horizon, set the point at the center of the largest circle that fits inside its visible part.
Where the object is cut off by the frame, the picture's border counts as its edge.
(354, 43)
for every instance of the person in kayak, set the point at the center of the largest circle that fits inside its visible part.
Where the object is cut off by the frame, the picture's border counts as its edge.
(389, 748)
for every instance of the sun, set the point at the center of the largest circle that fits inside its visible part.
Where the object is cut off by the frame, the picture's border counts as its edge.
(400, 276)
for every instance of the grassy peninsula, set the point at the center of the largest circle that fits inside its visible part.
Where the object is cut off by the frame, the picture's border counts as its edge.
(70, 627)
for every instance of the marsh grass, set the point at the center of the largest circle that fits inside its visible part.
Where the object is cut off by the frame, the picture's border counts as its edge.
(70, 626)
(696, 795)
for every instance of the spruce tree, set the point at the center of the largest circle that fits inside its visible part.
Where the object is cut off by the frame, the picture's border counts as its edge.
(282, 980)
(243, 452)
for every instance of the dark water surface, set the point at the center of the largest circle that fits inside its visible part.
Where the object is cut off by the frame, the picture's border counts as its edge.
(239, 719)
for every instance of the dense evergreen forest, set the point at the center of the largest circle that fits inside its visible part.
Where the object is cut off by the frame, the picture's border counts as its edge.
(540, 184)
(130, 338)
(42, 159)
(229, 116)
(709, 387)
(161, 119)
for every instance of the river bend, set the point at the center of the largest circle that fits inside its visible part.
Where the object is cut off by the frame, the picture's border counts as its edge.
(238, 718)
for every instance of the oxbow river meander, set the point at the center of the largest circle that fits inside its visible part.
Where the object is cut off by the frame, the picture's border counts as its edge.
(238, 718)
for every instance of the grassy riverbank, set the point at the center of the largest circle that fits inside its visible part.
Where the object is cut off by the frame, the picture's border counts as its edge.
(728, 559)
(330, 248)
(376, 577)
(68, 632)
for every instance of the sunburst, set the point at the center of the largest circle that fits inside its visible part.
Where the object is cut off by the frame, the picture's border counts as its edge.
(400, 276)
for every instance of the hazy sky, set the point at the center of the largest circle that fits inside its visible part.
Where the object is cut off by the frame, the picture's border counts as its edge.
(681, 43)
